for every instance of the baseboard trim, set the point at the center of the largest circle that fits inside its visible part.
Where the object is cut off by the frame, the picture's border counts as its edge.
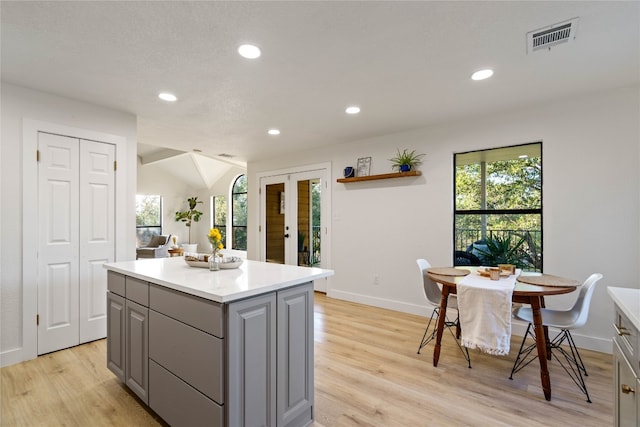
(11, 357)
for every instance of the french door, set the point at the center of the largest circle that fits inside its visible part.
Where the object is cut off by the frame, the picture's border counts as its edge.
(294, 219)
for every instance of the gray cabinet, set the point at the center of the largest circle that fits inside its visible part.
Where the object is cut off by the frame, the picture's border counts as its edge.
(252, 362)
(196, 362)
(270, 348)
(127, 331)
(295, 356)
(115, 334)
(137, 350)
(626, 369)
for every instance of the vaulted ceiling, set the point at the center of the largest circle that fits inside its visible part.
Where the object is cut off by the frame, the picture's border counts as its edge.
(405, 64)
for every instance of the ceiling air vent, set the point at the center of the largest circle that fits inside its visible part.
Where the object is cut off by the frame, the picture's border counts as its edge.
(547, 37)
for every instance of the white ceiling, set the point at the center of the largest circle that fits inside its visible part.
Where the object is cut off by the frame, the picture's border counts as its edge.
(406, 64)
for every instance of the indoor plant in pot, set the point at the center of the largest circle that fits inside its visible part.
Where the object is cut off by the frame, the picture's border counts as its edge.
(406, 160)
(188, 217)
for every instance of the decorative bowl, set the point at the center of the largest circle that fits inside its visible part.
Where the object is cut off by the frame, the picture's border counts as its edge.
(201, 264)
(202, 261)
(197, 260)
(231, 262)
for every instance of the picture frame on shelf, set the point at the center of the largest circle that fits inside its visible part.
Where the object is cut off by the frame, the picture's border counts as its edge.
(364, 166)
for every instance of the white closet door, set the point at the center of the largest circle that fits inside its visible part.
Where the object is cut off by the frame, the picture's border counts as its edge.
(57, 263)
(97, 232)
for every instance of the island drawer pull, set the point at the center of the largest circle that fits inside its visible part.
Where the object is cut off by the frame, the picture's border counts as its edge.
(621, 330)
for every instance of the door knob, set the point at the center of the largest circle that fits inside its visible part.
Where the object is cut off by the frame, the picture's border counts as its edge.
(626, 389)
(286, 235)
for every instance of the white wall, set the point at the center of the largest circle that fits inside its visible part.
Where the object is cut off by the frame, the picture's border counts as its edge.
(18, 338)
(153, 179)
(591, 202)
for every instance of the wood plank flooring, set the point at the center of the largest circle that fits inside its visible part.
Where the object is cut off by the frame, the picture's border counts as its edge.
(367, 373)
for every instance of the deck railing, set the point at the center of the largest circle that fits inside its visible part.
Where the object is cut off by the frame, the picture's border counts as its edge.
(529, 254)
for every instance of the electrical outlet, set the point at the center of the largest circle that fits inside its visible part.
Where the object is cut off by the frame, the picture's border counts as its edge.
(376, 280)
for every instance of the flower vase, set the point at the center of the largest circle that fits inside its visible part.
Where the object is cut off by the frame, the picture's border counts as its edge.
(214, 264)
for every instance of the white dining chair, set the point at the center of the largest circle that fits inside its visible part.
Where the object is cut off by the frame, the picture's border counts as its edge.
(565, 320)
(433, 294)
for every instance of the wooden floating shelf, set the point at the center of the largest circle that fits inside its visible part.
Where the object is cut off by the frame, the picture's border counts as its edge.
(381, 176)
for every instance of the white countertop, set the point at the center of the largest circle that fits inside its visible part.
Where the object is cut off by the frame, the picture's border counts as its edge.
(250, 279)
(628, 300)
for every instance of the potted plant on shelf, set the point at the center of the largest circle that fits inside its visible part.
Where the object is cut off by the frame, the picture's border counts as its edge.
(188, 217)
(406, 160)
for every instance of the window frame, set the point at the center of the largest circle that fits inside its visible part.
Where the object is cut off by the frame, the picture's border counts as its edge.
(518, 211)
(221, 227)
(159, 227)
(234, 226)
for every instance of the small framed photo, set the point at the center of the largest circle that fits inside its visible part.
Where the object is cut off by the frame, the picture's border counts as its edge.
(364, 166)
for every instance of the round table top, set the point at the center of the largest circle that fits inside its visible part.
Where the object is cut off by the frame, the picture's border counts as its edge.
(521, 288)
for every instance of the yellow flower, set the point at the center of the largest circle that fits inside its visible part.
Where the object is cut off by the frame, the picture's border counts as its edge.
(215, 238)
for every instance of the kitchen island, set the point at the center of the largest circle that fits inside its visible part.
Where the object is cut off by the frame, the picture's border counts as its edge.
(626, 356)
(220, 348)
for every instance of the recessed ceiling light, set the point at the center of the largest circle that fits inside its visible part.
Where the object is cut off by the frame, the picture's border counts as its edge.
(352, 110)
(249, 51)
(482, 74)
(165, 96)
(273, 132)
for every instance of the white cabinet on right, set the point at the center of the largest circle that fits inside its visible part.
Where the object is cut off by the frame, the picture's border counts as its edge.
(626, 356)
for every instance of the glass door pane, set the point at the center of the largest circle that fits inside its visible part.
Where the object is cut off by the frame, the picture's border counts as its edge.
(309, 214)
(275, 223)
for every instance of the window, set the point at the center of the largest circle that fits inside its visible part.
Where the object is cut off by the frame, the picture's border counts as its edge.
(219, 215)
(239, 214)
(148, 218)
(498, 206)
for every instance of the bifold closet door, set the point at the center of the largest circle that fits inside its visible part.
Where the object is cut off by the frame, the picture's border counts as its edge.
(76, 233)
(58, 232)
(97, 234)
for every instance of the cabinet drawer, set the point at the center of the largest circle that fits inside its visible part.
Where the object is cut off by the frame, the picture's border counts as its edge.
(115, 283)
(137, 291)
(194, 356)
(626, 337)
(197, 312)
(178, 403)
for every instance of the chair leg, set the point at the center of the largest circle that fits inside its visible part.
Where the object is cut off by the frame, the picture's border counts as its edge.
(574, 365)
(523, 359)
(427, 339)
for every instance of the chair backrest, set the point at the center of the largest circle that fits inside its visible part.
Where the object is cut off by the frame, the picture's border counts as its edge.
(581, 308)
(431, 289)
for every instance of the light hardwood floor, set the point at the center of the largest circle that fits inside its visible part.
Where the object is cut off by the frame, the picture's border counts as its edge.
(367, 373)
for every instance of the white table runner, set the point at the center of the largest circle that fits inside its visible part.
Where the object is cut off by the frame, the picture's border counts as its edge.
(485, 312)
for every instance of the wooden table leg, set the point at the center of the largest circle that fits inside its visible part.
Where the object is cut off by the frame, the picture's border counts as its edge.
(441, 319)
(546, 332)
(541, 345)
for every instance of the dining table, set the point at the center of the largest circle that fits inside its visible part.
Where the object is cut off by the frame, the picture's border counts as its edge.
(532, 293)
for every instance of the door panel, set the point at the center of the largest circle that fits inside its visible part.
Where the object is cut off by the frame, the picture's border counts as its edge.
(97, 235)
(57, 262)
(295, 205)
